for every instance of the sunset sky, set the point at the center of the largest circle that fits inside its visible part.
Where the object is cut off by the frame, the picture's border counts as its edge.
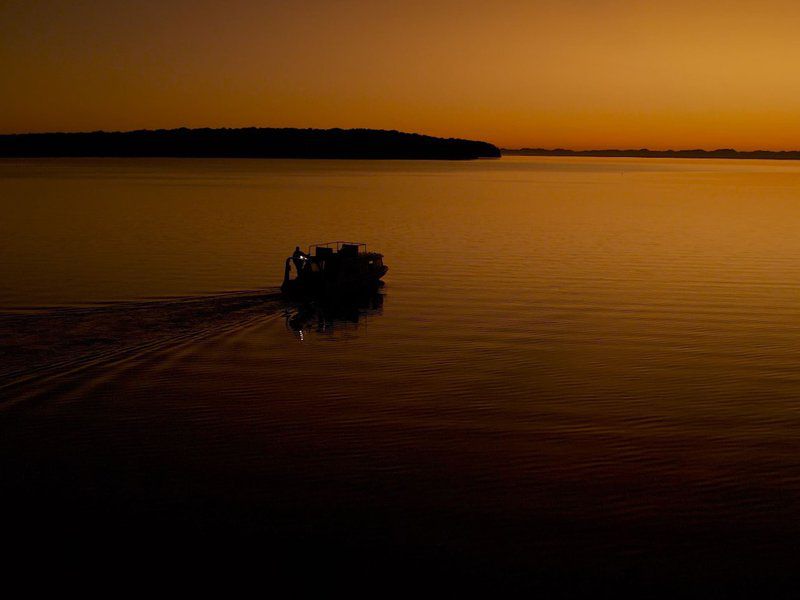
(545, 73)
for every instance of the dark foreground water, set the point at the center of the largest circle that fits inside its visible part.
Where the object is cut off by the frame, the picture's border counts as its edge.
(581, 372)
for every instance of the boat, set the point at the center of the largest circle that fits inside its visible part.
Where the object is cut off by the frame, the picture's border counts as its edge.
(333, 269)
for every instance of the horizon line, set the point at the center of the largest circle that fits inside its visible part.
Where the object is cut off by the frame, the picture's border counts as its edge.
(531, 149)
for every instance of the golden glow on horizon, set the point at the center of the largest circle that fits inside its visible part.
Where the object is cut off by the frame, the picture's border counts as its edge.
(568, 73)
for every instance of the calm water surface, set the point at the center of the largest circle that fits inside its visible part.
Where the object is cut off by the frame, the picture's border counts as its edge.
(576, 365)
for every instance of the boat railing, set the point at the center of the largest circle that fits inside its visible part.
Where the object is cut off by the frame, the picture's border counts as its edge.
(338, 245)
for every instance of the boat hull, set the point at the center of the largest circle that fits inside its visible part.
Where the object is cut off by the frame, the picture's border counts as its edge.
(318, 285)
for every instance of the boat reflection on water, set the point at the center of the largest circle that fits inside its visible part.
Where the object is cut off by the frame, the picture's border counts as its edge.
(333, 317)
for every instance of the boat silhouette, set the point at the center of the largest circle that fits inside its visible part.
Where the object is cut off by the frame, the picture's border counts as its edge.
(333, 269)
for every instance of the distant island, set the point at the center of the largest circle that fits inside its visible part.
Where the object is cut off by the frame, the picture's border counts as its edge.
(251, 142)
(644, 153)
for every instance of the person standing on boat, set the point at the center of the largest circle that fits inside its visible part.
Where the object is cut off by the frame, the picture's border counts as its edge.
(299, 258)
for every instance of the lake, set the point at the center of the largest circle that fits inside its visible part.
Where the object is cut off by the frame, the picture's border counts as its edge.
(580, 369)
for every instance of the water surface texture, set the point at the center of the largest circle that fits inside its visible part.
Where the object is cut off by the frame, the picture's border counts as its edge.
(577, 366)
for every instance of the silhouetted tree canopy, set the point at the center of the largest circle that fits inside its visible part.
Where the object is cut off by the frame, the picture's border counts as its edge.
(249, 142)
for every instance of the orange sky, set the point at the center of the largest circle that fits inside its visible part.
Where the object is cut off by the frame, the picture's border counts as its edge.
(567, 73)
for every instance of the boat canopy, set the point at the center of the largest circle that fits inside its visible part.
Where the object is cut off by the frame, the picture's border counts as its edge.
(338, 246)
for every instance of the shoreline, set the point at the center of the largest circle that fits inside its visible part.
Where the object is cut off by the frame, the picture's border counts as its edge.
(247, 142)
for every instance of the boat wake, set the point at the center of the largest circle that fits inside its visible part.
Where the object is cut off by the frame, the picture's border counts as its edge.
(44, 343)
